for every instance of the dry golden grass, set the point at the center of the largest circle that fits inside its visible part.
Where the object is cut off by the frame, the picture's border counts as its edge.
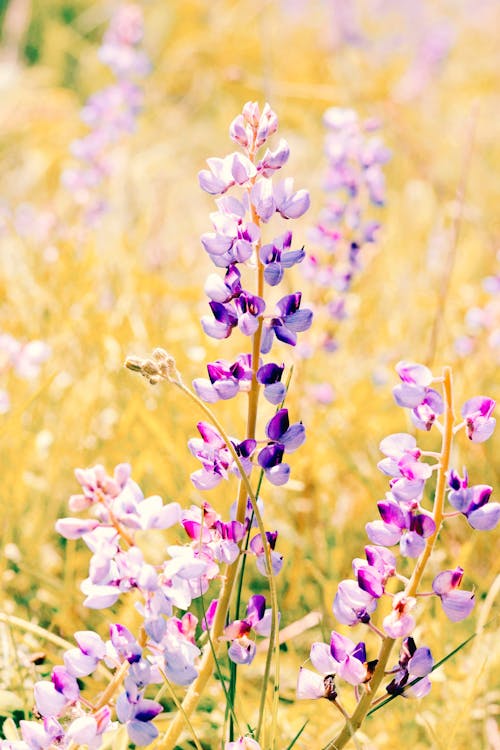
(136, 283)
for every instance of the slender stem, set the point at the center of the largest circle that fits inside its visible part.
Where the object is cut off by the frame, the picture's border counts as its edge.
(113, 686)
(365, 703)
(207, 662)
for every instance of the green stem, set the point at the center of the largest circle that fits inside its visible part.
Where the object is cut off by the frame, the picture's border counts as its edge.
(207, 662)
(365, 703)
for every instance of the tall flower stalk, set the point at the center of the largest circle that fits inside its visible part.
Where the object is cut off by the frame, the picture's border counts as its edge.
(180, 649)
(407, 523)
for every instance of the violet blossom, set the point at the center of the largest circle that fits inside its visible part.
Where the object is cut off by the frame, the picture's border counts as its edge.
(472, 502)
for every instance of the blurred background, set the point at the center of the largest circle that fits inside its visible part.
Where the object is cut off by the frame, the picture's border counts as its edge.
(101, 258)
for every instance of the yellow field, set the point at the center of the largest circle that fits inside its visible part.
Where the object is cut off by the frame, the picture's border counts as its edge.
(135, 281)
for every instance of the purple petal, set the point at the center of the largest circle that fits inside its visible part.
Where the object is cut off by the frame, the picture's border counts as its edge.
(278, 425)
(352, 671)
(369, 581)
(485, 518)
(275, 393)
(412, 372)
(310, 685)
(299, 321)
(340, 646)
(322, 658)
(381, 533)
(421, 662)
(141, 733)
(458, 604)
(411, 545)
(278, 475)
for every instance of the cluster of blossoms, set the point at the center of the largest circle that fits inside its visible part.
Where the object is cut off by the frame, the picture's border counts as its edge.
(110, 113)
(119, 512)
(483, 322)
(345, 228)
(406, 523)
(236, 243)
(118, 515)
(24, 359)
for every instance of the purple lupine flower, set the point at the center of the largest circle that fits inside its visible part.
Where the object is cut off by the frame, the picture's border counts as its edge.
(290, 204)
(137, 714)
(225, 379)
(352, 604)
(457, 604)
(473, 502)
(257, 618)
(479, 423)
(257, 548)
(125, 646)
(84, 660)
(402, 463)
(285, 438)
(234, 169)
(400, 623)
(340, 657)
(269, 376)
(311, 685)
(415, 379)
(234, 237)
(278, 256)
(424, 415)
(49, 701)
(274, 160)
(413, 662)
(374, 572)
(401, 524)
(287, 321)
(110, 113)
(65, 683)
(215, 456)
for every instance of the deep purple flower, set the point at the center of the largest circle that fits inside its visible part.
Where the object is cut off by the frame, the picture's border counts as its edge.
(288, 320)
(125, 645)
(457, 604)
(269, 376)
(278, 256)
(225, 379)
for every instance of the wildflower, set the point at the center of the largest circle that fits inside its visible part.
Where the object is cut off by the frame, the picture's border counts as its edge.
(413, 662)
(400, 623)
(457, 604)
(278, 256)
(401, 524)
(258, 618)
(269, 376)
(256, 546)
(352, 604)
(473, 503)
(478, 420)
(137, 713)
(287, 321)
